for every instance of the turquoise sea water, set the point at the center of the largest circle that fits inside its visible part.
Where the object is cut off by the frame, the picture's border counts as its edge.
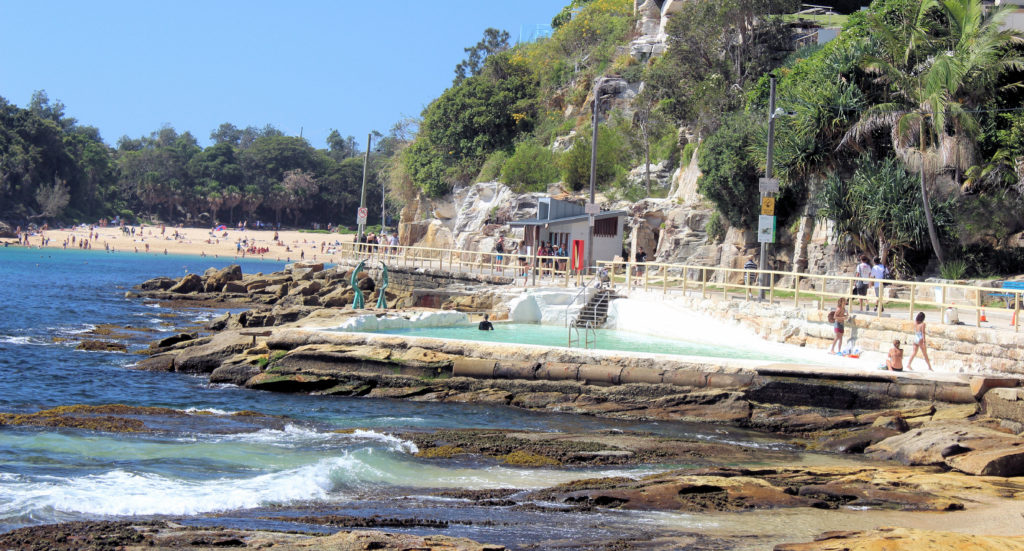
(230, 471)
(606, 339)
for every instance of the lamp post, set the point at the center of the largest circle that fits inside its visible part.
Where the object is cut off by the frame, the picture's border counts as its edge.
(362, 193)
(763, 280)
(593, 175)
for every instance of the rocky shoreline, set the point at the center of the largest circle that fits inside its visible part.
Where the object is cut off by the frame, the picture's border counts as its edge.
(920, 444)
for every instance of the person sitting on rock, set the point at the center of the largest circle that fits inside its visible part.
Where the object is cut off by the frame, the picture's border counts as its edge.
(895, 360)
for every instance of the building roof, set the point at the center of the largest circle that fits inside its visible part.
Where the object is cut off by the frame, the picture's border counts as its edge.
(567, 219)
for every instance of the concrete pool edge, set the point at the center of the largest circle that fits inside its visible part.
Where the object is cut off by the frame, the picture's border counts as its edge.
(530, 362)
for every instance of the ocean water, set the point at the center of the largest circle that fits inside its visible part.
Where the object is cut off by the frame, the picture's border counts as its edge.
(230, 470)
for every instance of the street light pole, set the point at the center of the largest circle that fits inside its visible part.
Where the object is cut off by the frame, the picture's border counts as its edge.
(763, 280)
(362, 193)
(593, 173)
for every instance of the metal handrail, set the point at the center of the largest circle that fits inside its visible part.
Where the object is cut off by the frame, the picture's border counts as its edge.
(481, 262)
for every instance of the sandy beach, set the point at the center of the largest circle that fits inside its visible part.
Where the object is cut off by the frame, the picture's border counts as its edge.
(232, 243)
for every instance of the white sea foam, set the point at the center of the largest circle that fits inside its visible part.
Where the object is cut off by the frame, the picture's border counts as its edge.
(10, 339)
(394, 443)
(214, 411)
(123, 493)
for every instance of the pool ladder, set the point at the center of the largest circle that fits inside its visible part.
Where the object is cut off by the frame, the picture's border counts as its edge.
(589, 334)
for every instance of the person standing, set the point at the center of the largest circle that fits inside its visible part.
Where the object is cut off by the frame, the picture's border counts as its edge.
(486, 325)
(838, 327)
(750, 276)
(862, 271)
(879, 272)
(920, 342)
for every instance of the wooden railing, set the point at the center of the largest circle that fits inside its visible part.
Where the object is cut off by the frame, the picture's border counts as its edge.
(822, 290)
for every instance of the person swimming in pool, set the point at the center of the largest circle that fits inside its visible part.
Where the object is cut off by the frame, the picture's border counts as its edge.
(486, 325)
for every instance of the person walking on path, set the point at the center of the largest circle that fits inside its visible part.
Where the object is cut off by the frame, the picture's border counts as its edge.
(750, 276)
(838, 318)
(863, 271)
(920, 342)
(879, 272)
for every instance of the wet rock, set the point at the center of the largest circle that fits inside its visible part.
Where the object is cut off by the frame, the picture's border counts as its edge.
(158, 362)
(859, 440)
(238, 369)
(290, 383)
(933, 443)
(174, 339)
(157, 284)
(101, 346)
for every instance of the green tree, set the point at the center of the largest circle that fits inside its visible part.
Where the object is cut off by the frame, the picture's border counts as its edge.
(729, 169)
(494, 41)
(530, 168)
(877, 208)
(936, 59)
(611, 159)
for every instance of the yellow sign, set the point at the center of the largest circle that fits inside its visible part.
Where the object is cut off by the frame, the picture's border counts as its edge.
(768, 206)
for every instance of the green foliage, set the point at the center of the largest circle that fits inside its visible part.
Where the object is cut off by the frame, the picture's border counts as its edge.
(714, 49)
(491, 169)
(953, 269)
(716, 228)
(879, 208)
(687, 153)
(730, 174)
(530, 168)
(611, 159)
(494, 41)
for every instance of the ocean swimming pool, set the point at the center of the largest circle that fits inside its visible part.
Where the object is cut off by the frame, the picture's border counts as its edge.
(607, 339)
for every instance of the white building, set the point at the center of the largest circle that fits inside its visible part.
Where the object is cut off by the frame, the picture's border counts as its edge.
(564, 223)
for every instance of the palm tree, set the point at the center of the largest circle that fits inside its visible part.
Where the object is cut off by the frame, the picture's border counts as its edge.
(936, 61)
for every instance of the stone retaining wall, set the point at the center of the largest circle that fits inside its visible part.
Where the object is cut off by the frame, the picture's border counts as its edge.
(951, 348)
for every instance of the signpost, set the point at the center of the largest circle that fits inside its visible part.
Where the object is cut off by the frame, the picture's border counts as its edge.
(361, 216)
(768, 185)
(766, 229)
(768, 206)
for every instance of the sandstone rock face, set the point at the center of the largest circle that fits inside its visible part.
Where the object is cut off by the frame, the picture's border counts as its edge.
(6, 230)
(215, 281)
(207, 357)
(191, 283)
(957, 444)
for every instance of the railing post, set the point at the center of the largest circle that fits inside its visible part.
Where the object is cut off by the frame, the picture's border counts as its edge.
(881, 299)
(821, 295)
(912, 293)
(686, 275)
(664, 279)
(1016, 311)
(771, 288)
(977, 311)
(796, 291)
(647, 274)
(704, 282)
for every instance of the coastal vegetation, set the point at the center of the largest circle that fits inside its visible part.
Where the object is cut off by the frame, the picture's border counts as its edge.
(905, 133)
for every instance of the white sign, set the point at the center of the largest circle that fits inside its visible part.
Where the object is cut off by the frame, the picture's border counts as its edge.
(766, 229)
(768, 185)
(361, 215)
(592, 208)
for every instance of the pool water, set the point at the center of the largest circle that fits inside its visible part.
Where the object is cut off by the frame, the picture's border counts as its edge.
(607, 339)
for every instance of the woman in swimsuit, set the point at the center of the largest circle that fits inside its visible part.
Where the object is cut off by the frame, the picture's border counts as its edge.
(920, 342)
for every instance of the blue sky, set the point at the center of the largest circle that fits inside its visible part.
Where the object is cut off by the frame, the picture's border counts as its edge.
(129, 67)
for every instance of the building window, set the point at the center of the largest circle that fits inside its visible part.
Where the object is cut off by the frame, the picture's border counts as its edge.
(606, 227)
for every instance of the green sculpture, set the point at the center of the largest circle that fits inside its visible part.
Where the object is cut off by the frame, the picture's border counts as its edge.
(358, 302)
(382, 301)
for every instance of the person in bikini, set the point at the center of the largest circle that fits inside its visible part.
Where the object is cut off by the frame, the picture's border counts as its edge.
(920, 342)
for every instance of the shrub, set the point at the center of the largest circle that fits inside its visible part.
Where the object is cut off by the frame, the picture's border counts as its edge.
(611, 157)
(530, 168)
(715, 228)
(492, 166)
